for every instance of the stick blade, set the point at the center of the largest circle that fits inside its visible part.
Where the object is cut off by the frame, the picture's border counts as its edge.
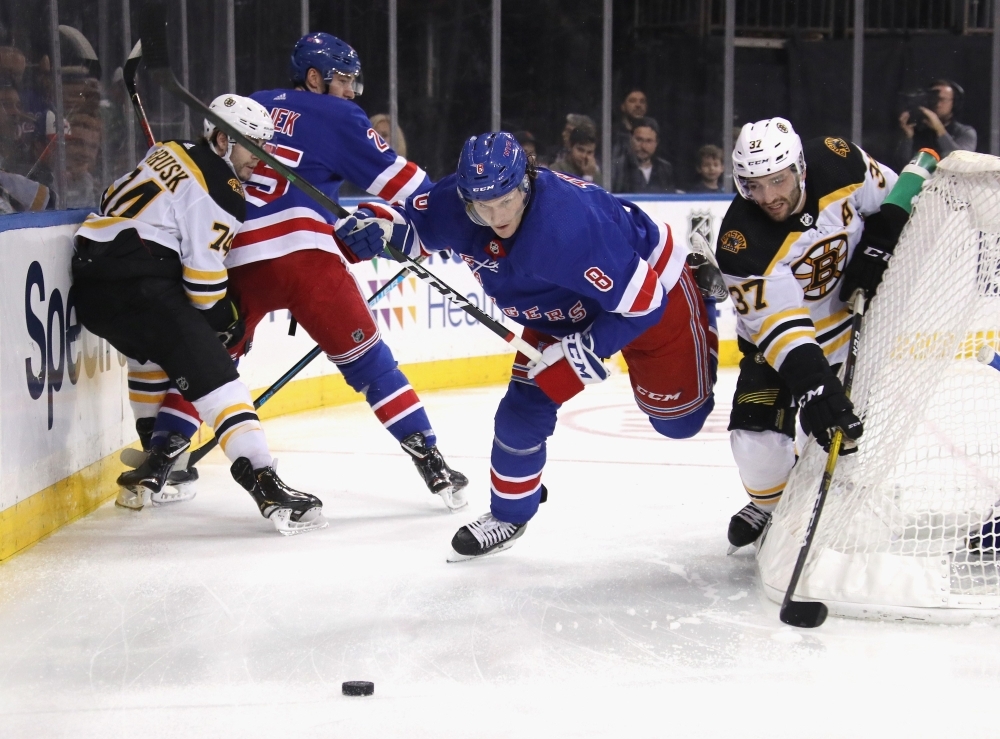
(153, 35)
(804, 614)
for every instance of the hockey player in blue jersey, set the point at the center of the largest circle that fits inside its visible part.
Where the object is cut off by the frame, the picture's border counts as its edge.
(587, 274)
(286, 255)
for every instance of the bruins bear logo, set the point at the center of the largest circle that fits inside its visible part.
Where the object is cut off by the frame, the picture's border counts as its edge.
(237, 187)
(838, 146)
(733, 241)
(820, 269)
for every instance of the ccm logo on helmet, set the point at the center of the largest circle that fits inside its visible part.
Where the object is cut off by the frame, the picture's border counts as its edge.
(482, 189)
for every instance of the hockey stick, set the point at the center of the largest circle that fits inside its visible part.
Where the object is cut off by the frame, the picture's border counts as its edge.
(810, 614)
(199, 454)
(154, 36)
(128, 77)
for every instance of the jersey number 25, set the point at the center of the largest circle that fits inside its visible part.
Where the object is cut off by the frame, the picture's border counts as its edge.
(266, 185)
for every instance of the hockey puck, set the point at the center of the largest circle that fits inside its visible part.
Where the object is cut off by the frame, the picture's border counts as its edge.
(358, 687)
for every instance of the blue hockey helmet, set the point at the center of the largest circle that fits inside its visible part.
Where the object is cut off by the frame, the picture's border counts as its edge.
(490, 166)
(328, 55)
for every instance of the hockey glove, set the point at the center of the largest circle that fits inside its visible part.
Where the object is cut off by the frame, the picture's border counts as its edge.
(361, 236)
(826, 407)
(873, 252)
(227, 323)
(567, 367)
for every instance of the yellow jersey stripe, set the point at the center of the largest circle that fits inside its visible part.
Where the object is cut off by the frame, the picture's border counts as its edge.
(206, 300)
(836, 195)
(103, 221)
(795, 334)
(831, 320)
(832, 346)
(188, 162)
(770, 321)
(769, 491)
(205, 275)
(783, 251)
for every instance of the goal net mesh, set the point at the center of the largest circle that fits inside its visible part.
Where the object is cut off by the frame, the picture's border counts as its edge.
(899, 530)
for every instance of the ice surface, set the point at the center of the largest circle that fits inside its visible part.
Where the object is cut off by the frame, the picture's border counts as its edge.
(617, 614)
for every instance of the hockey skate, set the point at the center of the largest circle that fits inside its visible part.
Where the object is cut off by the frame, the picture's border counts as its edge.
(180, 482)
(438, 476)
(747, 526)
(139, 485)
(290, 511)
(706, 270)
(984, 543)
(486, 535)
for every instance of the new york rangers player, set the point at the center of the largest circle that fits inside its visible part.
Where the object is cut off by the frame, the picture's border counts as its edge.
(286, 256)
(587, 274)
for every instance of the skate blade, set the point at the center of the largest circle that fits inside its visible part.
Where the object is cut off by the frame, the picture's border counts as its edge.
(456, 557)
(454, 500)
(174, 494)
(733, 549)
(134, 499)
(282, 520)
(132, 457)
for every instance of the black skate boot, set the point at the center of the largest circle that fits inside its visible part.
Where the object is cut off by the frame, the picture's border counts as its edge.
(290, 511)
(148, 478)
(180, 483)
(985, 543)
(438, 476)
(747, 526)
(708, 277)
(485, 535)
(135, 457)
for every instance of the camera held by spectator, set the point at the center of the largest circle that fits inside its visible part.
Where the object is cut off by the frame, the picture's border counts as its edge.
(928, 121)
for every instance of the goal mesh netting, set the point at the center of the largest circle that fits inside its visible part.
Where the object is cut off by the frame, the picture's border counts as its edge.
(894, 537)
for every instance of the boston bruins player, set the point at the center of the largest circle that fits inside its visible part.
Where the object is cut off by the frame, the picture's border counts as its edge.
(789, 253)
(149, 277)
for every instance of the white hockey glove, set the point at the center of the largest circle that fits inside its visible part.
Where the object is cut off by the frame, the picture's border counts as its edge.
(567, 367)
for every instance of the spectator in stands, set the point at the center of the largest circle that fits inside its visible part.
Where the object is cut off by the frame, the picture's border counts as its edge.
(709, 168)
(381, 123)
(527, 141)
(938, 129)
(572, 121)
(633, 109)
(640, 170)
(580, 161)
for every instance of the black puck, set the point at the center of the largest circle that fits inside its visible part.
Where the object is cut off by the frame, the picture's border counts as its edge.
(358, 687)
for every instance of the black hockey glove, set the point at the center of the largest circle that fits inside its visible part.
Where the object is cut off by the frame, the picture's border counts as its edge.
(227, 323)
(872, 254)
(826, 407)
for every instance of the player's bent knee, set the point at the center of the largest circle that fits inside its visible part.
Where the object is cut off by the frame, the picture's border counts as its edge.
(686, 426)
(371, 365)
(525, 418)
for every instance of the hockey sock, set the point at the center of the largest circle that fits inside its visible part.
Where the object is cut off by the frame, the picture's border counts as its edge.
(389, 394)
(176, 416)
(147, 388)
(765, 460)
(230, 411)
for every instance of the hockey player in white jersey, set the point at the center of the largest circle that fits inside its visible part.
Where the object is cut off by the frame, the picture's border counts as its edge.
(149, 277)
(789, 252)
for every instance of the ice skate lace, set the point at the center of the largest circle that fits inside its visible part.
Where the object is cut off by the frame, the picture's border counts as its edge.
(489, 531)
(754, 516)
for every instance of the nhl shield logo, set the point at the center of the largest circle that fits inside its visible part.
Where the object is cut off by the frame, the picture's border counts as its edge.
(700, 235)
(495, 249)
(182, 383)
(806, 220)
(358, 336)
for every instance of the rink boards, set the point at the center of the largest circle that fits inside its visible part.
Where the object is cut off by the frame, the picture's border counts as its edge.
(64, 412)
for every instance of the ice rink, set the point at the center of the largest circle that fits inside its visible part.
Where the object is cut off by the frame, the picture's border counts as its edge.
(617, 614)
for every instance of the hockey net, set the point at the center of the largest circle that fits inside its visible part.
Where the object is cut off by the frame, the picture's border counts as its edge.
(898, 534)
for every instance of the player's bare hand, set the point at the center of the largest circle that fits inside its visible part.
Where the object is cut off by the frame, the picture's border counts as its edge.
(904, 123)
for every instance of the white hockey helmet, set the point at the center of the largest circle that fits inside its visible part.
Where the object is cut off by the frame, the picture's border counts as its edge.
(247, 116)
(766, 147)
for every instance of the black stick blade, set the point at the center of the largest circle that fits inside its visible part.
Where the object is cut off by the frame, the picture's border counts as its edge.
(154, 36)
(803, 614)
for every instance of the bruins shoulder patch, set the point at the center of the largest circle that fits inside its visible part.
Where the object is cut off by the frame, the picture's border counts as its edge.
(838, 146)
(237, 187)
(733, 241)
